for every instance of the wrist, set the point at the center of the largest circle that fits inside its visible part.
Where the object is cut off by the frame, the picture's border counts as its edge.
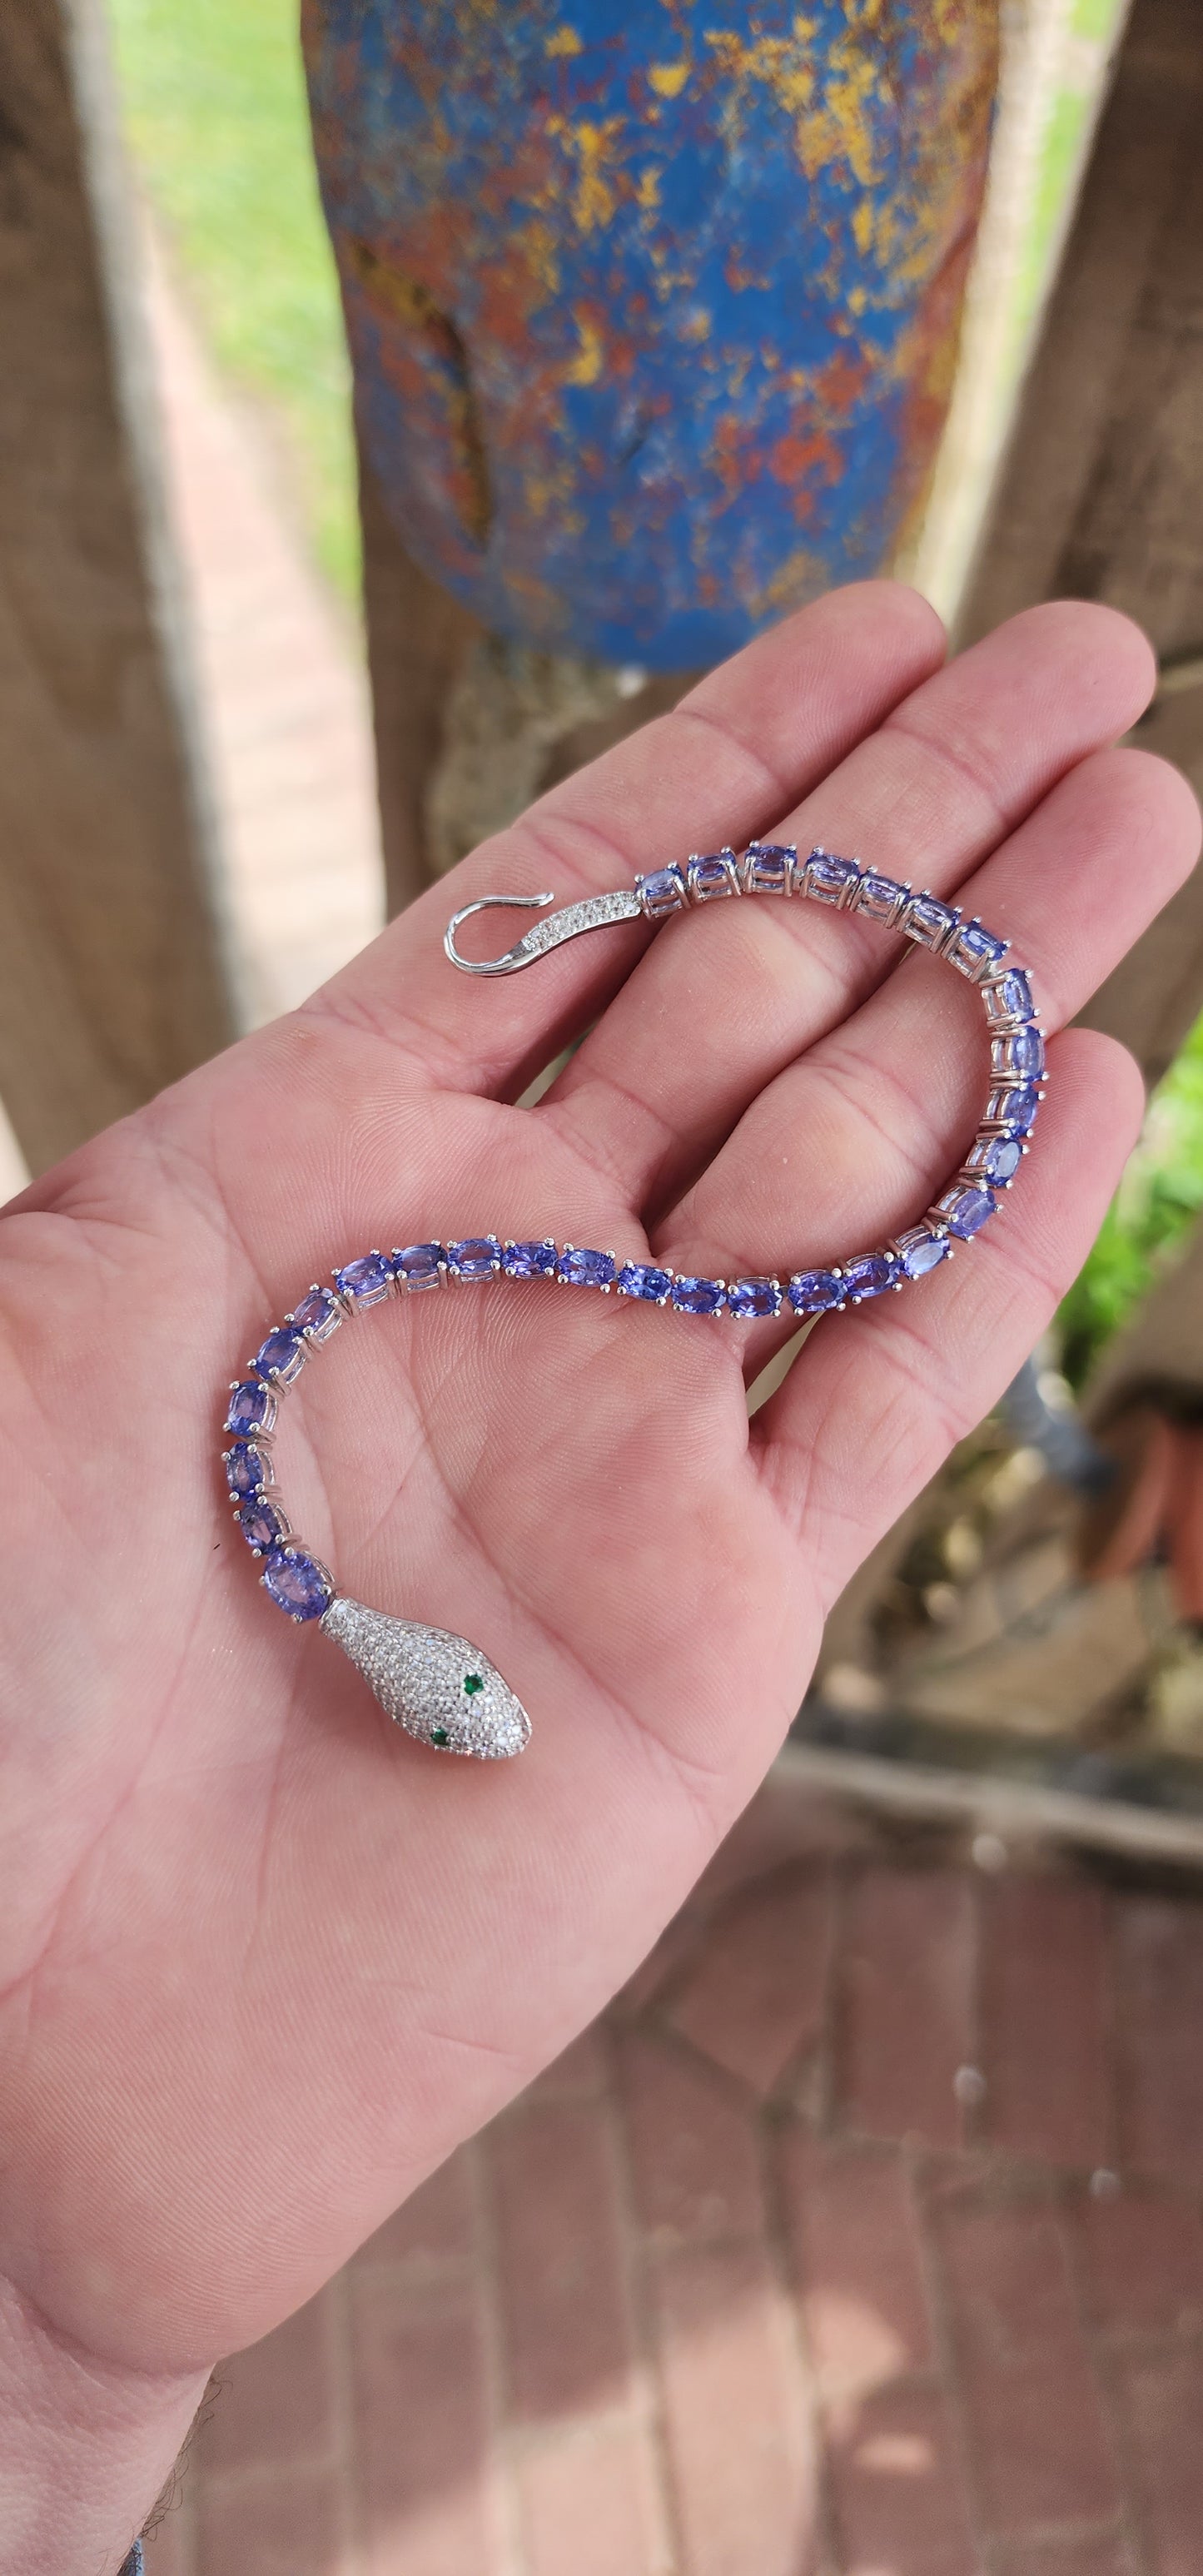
(86, 2446)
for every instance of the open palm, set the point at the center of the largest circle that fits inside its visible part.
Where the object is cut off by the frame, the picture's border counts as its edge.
(264, 1959)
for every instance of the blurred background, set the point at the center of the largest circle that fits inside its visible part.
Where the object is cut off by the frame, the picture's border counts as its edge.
(400, 409)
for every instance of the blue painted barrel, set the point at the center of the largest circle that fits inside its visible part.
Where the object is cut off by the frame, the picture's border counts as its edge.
(652, 306)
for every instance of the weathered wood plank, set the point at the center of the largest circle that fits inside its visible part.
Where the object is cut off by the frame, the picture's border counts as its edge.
(112, 977)
(417, 636)
(1102, 494)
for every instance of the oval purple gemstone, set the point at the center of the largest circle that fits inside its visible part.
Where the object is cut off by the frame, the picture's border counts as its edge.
(1015, 993)
(921, 1251)
(827, 876)
(281, 1357)
(1002, 1158)
(870, 1276)
(641, 1279)
(586, 1269)
(246, 1468)
(767, 865)
(927, 920)
(251, 1407)
(297, 1583)
(663, 890)
(711, 874)
(698, 1296)
(529, 1260)
(261, 1524)
(879, 896)
(1023, 1109)
(478, 1257)
(974, 948)
(418, 1265)
(811, 1292)
(751, 1299)
(1017, 1110)
(318, 1313)
(965, 1211)
(365, 1281)
(1021, 1052)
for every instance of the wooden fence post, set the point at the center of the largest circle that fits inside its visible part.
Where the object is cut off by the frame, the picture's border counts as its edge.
(1101, 496)
(652, 323)
(113, 978)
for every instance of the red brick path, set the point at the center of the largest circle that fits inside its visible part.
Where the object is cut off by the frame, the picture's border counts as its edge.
(863, 2238)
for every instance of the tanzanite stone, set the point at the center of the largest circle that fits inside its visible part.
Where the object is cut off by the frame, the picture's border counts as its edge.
(281, 1357)
(1010, 998)
(828, 877)
(419, 1265)
(642, 1279)
(246, 1468)
(662, 892)
(752, 1298)
(1001, 1158)
(1017, 1110)
(529, 1260)
(698, 1296)
(1027, 1049)
(319, 1314)
(965, 1210)
(919, 1251)
(975, 950)
(478, 1257)
(1021, 1052)
(766, 867)
(366, 1281)
(262, 1526)
(927, 920)
(712, 873)
(869, 1276)
(1016, 992)
(586, 1269)
(297, 1583)
(251, 1407)
(811, 1292)
(879, 897)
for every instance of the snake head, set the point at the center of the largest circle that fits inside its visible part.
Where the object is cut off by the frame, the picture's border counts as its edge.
(440, 1688)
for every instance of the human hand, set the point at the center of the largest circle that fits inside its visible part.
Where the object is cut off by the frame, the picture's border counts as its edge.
(265, 1961)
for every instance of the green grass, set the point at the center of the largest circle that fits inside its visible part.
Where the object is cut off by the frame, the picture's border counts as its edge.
(214, 100)
(1157, 1204)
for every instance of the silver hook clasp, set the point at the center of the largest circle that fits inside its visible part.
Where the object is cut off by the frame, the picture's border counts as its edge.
(594, 913)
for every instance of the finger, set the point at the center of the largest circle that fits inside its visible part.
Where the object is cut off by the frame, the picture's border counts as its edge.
(884, 1108)
(734, 990)
(741, 748)
(880, 1394)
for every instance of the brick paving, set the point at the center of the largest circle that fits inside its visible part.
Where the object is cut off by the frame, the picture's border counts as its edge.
(862, 2237)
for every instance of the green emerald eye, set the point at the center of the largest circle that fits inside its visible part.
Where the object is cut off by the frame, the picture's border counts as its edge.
(439, 1735)
(473, 1682)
